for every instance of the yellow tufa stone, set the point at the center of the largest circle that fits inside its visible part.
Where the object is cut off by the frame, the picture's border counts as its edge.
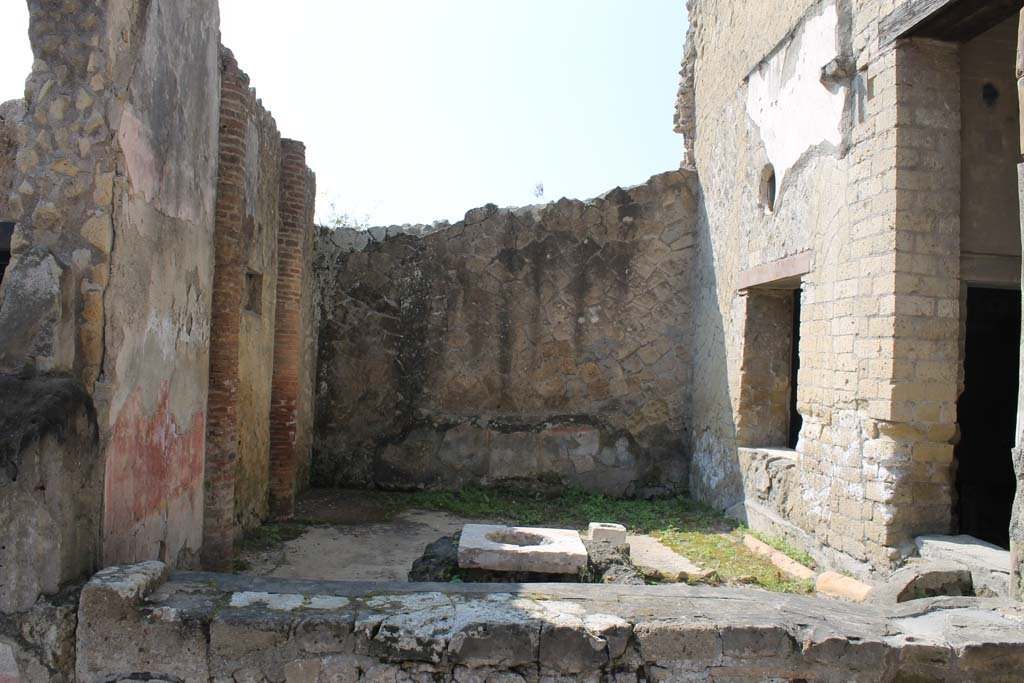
(99, 231)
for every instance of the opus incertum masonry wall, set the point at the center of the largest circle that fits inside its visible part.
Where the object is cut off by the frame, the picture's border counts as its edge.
(549, 342)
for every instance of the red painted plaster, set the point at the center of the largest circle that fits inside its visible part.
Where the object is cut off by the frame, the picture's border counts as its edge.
(154, 472)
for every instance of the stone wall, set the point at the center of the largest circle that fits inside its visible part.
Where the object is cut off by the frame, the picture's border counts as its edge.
(546, 342)
(110, 171)
(309, 337)
(10, 114)
(862, 140)
(198, 627)
(50, 488)
(115, 146)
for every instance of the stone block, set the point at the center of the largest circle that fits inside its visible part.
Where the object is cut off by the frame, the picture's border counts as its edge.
(117, 637)
(521, 549)
(607, 531)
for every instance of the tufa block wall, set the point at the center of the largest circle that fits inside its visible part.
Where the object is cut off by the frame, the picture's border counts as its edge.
(546, 342)
(871, 200)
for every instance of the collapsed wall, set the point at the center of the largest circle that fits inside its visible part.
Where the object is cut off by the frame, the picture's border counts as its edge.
(546, 342)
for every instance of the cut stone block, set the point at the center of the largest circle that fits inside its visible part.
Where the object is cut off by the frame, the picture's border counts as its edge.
(607, 532)
(521, 549)
(989, 564)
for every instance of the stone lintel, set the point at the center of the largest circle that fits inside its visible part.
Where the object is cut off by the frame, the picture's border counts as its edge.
(784, 273)
(990, 270)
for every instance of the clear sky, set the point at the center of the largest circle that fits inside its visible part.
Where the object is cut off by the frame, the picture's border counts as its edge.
(418, 110)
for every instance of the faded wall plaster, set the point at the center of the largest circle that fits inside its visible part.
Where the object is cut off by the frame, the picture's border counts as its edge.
(258, 246)
(153, 388)
(793, 110)
(111, 269)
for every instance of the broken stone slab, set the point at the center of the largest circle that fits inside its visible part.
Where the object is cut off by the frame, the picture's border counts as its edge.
(989, 564)
(836, 585)
(607, 532)
(657, 559)
(924, 579)
(521, 549)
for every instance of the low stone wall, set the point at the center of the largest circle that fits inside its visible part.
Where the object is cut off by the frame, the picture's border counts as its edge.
(139, 621)
(539, 342)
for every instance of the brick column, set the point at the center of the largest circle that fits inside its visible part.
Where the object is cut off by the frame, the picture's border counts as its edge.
(222, 405)
(1017, 518)
(296, 220)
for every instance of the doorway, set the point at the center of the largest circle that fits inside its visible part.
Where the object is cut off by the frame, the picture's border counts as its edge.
(987, 411)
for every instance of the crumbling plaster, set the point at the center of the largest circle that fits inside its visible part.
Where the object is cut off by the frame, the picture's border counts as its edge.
(785, 98)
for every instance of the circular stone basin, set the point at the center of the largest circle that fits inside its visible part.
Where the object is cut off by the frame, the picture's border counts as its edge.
(519, 538)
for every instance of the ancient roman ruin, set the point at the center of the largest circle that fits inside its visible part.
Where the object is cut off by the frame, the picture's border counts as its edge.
(812, 325)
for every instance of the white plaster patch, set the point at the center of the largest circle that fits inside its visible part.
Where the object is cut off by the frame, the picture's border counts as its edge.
(408, 602)
(287, 602)
(326, 602)
(284, 602)
(786, 99)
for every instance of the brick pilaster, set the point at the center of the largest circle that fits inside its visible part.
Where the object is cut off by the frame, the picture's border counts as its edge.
(296, 221)
(222, 405)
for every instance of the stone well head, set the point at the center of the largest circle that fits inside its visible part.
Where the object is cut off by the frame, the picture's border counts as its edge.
(521, 549)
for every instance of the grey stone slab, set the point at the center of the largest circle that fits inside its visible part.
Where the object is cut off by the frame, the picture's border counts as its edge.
(989, 564)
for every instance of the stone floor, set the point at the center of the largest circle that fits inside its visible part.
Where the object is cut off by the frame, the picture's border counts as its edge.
(367, 551)
(352, 539)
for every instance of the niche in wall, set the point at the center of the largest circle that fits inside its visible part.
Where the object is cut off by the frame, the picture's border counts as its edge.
(768, 416)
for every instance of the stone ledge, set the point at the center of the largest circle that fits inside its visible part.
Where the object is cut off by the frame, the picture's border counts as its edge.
(198, 626)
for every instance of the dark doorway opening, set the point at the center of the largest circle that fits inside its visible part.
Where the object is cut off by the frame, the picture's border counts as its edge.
(795, 420)
(6, 231)
(987, 413)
